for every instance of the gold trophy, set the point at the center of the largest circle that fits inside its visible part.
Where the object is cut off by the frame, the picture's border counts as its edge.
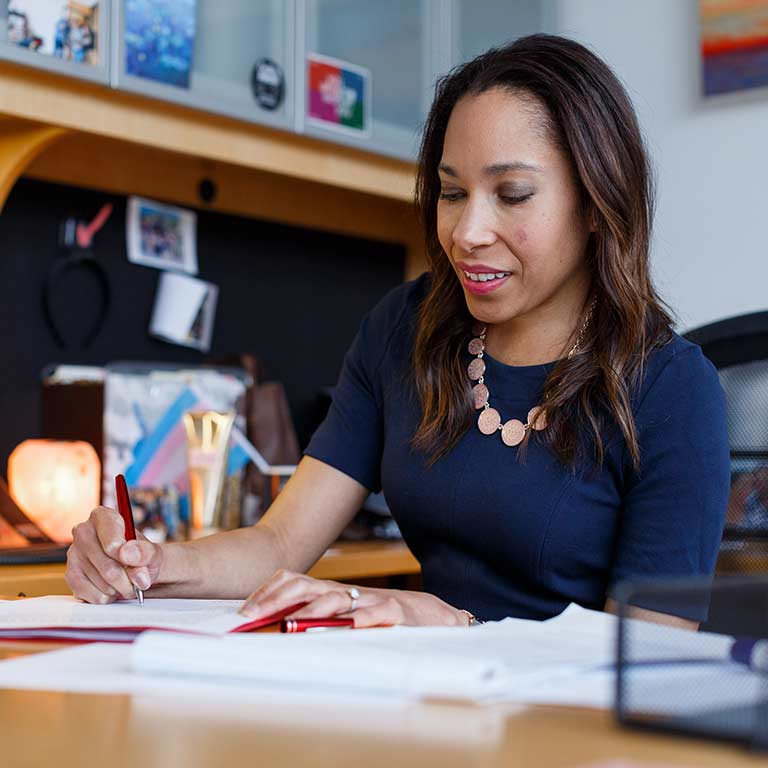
(207, 443)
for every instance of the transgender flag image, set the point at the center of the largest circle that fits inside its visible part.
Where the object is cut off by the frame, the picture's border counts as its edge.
(160, 459)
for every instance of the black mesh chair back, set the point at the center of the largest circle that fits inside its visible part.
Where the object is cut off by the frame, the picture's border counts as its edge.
(738, 348)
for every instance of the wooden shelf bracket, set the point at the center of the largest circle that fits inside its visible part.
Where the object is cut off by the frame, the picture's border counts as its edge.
(20, 143)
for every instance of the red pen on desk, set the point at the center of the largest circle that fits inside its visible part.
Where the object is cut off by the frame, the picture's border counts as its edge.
(124, 507)
(308, 625)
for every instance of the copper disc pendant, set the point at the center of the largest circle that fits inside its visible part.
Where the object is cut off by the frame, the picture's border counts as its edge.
(476, 369)
(513, 432)
(537, 418)
(488, 421)
(476, 346)
(480, 395)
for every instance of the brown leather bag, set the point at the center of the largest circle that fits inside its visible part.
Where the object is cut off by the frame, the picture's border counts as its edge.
(270, 426)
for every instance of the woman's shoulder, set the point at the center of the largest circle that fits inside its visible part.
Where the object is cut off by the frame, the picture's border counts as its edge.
(679, 369)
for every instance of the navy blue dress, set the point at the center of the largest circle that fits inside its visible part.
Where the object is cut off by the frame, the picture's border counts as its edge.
(500, 537)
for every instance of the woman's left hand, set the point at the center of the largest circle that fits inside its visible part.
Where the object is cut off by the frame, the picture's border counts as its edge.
(325, 599)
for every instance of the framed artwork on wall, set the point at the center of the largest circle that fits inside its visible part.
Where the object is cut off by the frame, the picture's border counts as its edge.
(734, 45)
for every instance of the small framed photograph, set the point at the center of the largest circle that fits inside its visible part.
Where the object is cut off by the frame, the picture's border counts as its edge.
(184, 311)
(161, 236)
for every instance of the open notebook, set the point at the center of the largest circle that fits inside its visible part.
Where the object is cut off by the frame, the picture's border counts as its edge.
(65, 618)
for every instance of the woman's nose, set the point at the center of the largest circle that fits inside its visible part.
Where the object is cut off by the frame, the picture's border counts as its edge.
(474, 227)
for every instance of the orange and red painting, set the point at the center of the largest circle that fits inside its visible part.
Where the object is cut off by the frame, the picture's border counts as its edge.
(734, 44)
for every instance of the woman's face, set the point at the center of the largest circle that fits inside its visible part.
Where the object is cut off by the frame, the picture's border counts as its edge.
(509, 216)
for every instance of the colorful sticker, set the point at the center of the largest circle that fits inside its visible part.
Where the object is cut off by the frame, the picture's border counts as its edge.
(338, 95)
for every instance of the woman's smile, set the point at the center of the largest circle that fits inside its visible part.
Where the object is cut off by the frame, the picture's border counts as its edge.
(480, 278)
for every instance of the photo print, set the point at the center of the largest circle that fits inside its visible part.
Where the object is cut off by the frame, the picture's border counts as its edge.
(184, 311)
(64, 30)
(161, 236)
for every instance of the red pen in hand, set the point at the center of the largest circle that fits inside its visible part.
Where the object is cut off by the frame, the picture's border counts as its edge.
(124, 507)
(307, 625)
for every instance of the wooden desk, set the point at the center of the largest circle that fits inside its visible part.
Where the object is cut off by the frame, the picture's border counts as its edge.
(82, 730)
(40, 728)
(344, 561)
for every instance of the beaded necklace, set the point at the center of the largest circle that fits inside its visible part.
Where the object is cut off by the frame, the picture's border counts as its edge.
(512, 431)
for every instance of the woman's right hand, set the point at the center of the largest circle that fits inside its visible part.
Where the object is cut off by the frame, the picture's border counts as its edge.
(102, 567)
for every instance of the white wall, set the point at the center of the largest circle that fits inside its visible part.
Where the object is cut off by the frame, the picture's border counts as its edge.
(710, 251)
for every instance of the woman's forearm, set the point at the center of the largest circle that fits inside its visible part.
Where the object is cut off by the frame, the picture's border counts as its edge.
(307, 515)
(228, 565)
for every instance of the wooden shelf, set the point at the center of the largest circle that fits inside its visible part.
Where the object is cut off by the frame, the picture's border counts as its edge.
(82, 107)
(73, 132)
(344, 561)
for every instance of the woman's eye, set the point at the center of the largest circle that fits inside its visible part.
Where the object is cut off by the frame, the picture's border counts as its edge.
(451, 195)
(515, 199)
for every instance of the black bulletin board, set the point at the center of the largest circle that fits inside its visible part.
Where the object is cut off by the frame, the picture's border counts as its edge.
(293, 296)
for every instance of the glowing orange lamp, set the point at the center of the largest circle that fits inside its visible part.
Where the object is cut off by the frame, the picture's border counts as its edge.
(56, 483)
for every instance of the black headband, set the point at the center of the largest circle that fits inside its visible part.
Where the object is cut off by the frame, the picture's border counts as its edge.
(75, 260)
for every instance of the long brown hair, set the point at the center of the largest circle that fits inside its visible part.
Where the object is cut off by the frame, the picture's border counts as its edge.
(590, 118)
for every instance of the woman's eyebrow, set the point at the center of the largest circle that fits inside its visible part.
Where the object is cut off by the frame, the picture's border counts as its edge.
(497, 169)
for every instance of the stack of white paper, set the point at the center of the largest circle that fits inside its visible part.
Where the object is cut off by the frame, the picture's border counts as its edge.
(569, 659)
(498, 660)
(306, 661)
(479, 663)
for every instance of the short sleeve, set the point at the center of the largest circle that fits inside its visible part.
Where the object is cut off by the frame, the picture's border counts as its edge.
(351, 438)
(674, 509)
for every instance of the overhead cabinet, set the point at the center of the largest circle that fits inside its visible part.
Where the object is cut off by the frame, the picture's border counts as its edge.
(354, 72)
(234, 57)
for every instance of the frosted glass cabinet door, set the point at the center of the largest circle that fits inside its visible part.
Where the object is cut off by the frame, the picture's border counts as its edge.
(234, 57)
(482, 24)
(387, 45)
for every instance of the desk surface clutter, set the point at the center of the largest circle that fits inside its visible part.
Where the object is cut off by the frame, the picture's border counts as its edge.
(410, 695)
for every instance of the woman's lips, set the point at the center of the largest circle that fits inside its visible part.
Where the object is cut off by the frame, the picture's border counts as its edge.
(480, 288)
(481, 278)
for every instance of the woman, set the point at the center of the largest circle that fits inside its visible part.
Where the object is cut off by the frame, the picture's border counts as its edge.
(600, 450)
